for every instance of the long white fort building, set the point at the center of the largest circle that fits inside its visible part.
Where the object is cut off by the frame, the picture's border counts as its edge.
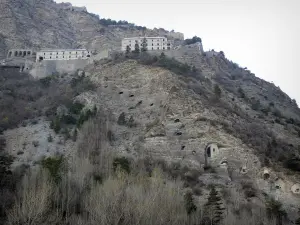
(153, 43)
(62, 54)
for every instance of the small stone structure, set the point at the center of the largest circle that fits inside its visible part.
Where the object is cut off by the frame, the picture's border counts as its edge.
(211, 152)
(69, 6)
(266, 173)
(279, 184)
(296, 189)
(20, 53)
(224, 163)
(212, 53)
(244, 170)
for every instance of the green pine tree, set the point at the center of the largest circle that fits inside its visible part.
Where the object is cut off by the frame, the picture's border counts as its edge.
(74, 136)
(297, 222)
(189, 203)
(136, 48)
(213, 209)
(128, 50)
(144, 45)
(274, 209)
(56, 125)
(218, 91)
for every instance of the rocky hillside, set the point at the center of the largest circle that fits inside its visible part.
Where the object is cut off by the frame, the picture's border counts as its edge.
(104, 132)
(46, 24)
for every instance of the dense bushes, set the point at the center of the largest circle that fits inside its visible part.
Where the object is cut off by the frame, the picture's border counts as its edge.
(293, 164)
(24, 98)
(107, 22)
(193, 40)
(54, 166)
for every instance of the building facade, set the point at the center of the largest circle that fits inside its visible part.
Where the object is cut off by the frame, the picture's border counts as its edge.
(153, 43)
(62, 54)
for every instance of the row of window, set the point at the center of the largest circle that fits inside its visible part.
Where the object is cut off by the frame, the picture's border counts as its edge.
(63, 57)
(147, 40)
(161, 48)
(64, 53)
(153, 44)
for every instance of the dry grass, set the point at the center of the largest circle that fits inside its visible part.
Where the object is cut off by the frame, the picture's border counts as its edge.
(136, 200)
(33, 204)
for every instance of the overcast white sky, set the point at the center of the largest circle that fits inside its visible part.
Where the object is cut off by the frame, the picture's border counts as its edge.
(262, 35)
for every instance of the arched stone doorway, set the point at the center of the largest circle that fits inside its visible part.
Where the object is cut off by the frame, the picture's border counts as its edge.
(210, 152)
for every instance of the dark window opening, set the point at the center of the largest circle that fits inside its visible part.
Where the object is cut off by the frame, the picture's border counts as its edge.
(224, 162)
(157, 47)
(121, 92)
(28, 53)
(16, 53)
(131, 96)
(208, 152)
(177, 121)
(50, 57)
(297, 190)
(9, 54)
(88, 56)
(182, 147)
(41, 58)
(266, 176)
(151, 104)
(178, 133)
(163, 48)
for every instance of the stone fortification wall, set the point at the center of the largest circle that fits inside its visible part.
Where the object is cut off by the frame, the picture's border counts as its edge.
(190, 54)
(46, 68)
(69, 6)
(100, 55)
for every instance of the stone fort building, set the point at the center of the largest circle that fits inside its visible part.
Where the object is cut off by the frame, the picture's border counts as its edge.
(62, 54)
(153, 43)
